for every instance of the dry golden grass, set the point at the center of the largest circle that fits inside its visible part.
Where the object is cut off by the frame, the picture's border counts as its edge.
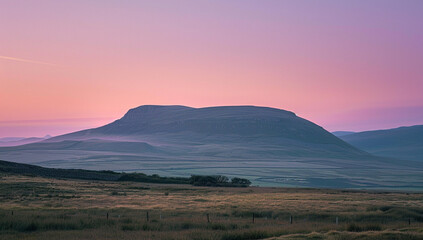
(369, 235)
(76, 209)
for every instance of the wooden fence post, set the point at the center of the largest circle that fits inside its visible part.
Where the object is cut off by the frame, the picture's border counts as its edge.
(147, 217)
(253, 217)
(290, 219)
(208, 218)
(107, 216)
(336, 220)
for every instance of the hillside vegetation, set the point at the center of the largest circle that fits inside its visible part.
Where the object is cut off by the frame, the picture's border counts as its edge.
(197, 180)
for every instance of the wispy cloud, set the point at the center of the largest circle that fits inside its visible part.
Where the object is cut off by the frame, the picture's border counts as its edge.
(26, 60)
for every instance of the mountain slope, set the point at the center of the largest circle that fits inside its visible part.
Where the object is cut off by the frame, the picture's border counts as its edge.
(269, 146)
(401, 143)
(241, 122)
(342, 133)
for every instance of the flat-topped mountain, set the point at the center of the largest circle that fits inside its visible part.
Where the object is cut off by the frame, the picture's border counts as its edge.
(267, 145)
(236, 121)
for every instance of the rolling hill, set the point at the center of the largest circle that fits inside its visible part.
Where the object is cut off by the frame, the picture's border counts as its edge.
(402, 143)
(267, 145)
(17, 141)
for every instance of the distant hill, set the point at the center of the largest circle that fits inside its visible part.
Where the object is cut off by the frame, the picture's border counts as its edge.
(342, 133)
(17, 141)
(266, 145)
(402, 143)
(10, 139)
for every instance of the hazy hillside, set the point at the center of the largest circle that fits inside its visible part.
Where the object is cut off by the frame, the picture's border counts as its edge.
(342, 133)
(17, 141)
(401, 143)
(269, 146)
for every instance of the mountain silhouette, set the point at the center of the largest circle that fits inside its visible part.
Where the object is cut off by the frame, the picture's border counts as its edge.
(267, 145)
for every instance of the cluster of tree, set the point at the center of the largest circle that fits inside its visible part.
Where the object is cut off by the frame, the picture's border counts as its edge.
(218, 181)
(141, 177)
(196, 180)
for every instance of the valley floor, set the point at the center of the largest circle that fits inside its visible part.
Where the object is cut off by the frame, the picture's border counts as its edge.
(44, 208)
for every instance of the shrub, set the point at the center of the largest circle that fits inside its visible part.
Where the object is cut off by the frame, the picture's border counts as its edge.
(198, 180)
(385, 208)
(218, 226)
(129, 227)
(114, 193)
(146, 227)
(354, 228)
(186, 226)
(241, 181)
(373, 227)
(31, 227)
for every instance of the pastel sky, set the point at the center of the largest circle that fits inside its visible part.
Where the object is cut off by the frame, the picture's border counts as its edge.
(345, 65)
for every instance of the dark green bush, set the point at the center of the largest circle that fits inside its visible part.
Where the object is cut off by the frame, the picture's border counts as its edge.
(385, 208)
(130, 227)
(186, 225)
(373, 227)
(354, 228)
(218, 226)
(30, 227)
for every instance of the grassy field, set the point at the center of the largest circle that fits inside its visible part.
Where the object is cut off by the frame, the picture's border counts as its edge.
(45, 208)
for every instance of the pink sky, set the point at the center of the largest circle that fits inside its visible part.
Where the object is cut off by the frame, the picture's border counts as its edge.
(345, 65)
